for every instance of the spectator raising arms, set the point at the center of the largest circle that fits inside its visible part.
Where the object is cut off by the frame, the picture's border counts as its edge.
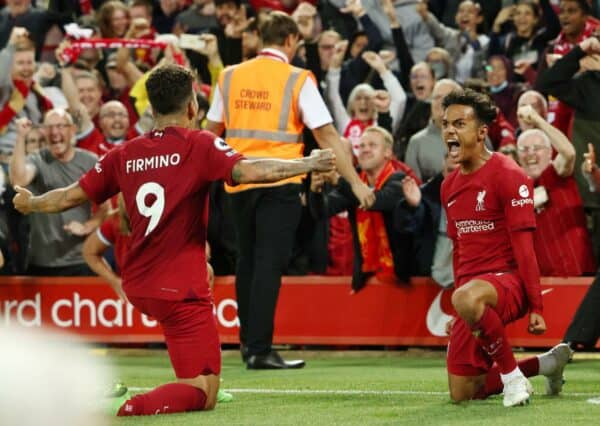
(561, 238)
(466, 45)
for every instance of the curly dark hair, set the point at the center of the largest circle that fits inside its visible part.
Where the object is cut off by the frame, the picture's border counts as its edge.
(484, 107)
(169, 89)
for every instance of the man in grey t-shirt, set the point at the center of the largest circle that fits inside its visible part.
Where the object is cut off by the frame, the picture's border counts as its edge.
(55, 240)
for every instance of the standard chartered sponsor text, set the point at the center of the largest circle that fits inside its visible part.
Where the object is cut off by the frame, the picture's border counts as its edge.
(75, 310)
(470, 225)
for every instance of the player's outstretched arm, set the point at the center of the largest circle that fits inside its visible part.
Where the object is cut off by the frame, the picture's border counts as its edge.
(328, 137)
(54, 201)
(93, 251)
(271, 169)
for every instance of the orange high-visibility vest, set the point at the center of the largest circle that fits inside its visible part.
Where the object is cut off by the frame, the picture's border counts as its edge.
(260, 111)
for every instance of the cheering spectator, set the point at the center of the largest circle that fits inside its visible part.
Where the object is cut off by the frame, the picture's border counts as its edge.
(577, 25)
(90, 93)
(533, 29)
(505, 92)
(379, 249)
(113, 19)
(362, 109)
(466, 46)
(445, 10)
(561, 239)
(20, 95)
(355, 70)
(55, 240)
(418, 107)
(426, 150)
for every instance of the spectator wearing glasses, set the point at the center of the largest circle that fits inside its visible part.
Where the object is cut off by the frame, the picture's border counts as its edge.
(55, 240)
(20, 95)
(561, 239)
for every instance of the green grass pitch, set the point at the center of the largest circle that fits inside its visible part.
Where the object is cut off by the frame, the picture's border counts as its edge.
(360, 388)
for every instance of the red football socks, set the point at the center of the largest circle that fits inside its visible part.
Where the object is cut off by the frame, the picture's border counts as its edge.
(493, 384)
(165, 399)
(491, 335)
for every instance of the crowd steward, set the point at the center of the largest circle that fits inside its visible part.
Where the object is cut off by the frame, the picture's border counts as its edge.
(73, 88)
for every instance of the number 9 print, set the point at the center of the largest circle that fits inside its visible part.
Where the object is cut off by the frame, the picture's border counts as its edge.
(155, 210)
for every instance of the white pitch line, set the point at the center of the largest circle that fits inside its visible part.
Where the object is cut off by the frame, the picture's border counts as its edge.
(347, 392)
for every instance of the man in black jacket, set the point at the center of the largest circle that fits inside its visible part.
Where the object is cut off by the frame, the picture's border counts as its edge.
(379, 249)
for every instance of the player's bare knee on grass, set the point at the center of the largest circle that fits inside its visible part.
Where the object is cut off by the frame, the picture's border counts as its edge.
(460, 393)
(463, 388)
(209, 384)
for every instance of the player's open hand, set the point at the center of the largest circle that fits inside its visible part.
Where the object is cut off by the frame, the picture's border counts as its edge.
(412, 192)
(322, 160)
(537, 325)
(22, 201)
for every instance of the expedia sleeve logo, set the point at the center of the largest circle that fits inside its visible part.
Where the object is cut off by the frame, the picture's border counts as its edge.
(221, 145)
(524, 193)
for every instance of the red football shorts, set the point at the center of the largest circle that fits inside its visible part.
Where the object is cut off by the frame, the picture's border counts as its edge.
(190, 333)
(465, 356)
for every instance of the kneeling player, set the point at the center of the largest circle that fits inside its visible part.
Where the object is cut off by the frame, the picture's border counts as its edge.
(164, 177)
(489, 206)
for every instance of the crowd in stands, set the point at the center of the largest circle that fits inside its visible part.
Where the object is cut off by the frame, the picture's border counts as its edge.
(383, 68)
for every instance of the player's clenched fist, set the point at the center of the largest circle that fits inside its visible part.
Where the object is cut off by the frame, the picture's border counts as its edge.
(322, 160)
(22, 201)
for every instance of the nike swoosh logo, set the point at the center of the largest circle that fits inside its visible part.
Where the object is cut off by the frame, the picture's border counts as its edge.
(436, 318)
(451, 202)
(548, 290)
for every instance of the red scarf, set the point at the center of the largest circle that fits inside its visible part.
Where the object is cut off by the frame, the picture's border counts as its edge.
(71, 53)
(354, 131)
(372, 236)
(16, 102)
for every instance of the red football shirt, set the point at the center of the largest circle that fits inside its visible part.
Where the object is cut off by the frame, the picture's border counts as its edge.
(483, 207)
(562, 242)
(164, 177)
